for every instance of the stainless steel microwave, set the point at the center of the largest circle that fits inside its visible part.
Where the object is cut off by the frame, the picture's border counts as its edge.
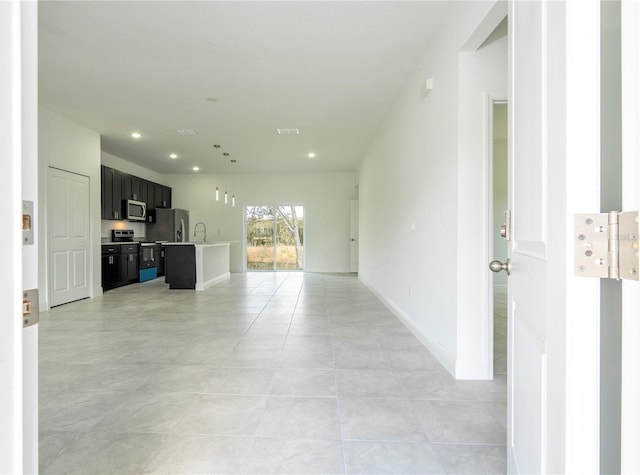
(135, 210)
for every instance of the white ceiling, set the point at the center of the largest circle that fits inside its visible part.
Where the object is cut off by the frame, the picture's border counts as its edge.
(331, 69)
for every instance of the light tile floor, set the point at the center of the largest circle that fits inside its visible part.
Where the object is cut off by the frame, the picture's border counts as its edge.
(265, 373)
(500, 330)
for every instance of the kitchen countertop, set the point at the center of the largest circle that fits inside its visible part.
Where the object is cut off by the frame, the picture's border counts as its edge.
(198, 244)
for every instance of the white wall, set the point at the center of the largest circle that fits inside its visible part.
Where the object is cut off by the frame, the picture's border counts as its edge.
(482, 77)
(69, 146)
(325, 197)
(415, 181)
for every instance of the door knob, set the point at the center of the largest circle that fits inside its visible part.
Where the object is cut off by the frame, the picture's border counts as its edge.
(497, 266)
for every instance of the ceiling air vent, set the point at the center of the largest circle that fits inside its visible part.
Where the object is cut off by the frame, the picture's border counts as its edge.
(288, 131)
(186, 132)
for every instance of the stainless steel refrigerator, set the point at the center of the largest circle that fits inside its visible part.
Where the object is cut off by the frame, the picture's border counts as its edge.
(170, 225)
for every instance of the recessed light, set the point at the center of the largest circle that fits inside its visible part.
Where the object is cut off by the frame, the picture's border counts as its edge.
(216, 145)
(186, 132)
(173, 156)
(311, 155)
(136, 135)
(288, 131)
(212, 99)
(195, 169)
(226, 154)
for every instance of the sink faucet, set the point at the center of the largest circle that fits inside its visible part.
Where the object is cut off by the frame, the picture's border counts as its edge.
(195, 231)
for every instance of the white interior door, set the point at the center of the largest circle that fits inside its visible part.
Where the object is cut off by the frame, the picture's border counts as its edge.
(553, 331)
(68, 230)
(630, 47)
(353, 237)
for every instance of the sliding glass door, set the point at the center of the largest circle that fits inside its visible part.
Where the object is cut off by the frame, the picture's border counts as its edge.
(275, 237)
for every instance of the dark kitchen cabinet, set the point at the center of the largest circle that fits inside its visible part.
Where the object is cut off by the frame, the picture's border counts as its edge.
(162, 196)
(132, 188)
(166, 196)
(180, 266)
(147, 189)
(129, 263)
(112, 193)
(118, 186)
(110, 266)
(160, 259)
(119, 265)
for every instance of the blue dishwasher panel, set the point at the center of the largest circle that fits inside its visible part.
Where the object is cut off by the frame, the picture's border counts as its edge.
(148, 274)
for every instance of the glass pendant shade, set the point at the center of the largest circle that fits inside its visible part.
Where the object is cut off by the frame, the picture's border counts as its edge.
(217, 194)
(233, 200)
(226, 198)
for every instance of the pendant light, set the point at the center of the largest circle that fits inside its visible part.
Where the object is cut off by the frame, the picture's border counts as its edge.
(226, 195)
(217, 194)
(233, 182)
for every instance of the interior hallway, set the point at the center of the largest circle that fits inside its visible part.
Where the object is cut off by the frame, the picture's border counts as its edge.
(265, 373)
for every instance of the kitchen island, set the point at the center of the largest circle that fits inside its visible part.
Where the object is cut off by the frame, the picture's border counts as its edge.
(196, 266)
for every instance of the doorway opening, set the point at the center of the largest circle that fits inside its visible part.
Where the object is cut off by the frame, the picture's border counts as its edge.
(499, 191)
(274, 237)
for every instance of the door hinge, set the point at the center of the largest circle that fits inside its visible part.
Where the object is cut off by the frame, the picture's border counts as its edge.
(505, 229)
(606, 245)
(30, 309)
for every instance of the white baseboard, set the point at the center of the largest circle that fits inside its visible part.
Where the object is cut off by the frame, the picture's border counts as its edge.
(432, 345)
(472, 371)
(212, 282)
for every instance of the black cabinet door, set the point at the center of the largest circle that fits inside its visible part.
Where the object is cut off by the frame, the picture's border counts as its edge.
(126, 187)
(118, 194)
(110, 271)
(103, 193)
(108, 175)
(162, 196)
(157, 196)
(112, 193)
(128, 267)
(166, 197)
(146, 188)
(132, 187)
(160, 259)
(136, 188)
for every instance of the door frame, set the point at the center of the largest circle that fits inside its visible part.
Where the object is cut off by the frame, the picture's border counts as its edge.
(491, 101)
(19, 180)
(354, 236)
(630, 417)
